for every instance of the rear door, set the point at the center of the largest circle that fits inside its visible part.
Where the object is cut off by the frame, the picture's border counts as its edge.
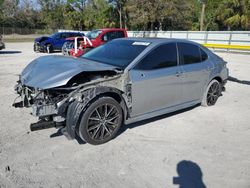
(155, 80)
(195, 69)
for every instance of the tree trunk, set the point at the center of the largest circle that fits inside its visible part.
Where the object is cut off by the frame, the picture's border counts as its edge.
(125, 22)
(120, 15)
(160, 26)
(202, 16)
(152, 26)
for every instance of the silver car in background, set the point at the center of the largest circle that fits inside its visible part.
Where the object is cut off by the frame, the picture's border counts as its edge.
(123, 81)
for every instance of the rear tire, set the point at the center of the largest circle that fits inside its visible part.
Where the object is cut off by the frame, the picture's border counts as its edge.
(101, 121)
(212, 93)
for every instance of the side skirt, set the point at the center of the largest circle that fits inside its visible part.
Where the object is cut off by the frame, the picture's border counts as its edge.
(161, 112)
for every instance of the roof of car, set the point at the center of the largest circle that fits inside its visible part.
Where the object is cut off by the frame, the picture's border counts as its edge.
(156, 40)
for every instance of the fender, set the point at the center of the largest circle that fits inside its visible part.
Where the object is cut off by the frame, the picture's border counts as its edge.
(84, 99)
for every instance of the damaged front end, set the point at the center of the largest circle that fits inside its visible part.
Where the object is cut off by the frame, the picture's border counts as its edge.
(51, 105)
(45, 105)
(51, 85)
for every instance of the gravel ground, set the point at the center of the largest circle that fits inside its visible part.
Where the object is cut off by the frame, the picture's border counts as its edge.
(210, 146)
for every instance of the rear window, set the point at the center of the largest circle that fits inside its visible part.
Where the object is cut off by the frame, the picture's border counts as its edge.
(119, 53)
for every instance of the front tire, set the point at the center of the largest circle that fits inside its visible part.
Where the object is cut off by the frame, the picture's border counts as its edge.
(212, 93)
(49, 48)
(35, 48)
(101, 121)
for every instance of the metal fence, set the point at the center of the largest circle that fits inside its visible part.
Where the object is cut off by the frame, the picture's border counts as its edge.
(24, 31)
(203, 37)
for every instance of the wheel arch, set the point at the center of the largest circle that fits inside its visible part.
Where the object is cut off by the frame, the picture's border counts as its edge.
(77, 108)
(218, 78)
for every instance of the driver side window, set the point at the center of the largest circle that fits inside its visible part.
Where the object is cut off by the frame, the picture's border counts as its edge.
(106, 37)
(58, 36)
(161, 57)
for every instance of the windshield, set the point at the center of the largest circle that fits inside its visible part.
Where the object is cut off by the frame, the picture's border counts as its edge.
(93, 34)
(119, 53)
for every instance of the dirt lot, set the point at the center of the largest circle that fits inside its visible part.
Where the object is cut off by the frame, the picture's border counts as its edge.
(214, 141)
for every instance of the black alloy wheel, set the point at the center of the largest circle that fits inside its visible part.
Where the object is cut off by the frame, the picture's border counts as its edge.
(101, 121)
(213, 93)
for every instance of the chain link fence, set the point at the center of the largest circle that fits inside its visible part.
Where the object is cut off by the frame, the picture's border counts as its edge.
(13, 34)
(24, 31)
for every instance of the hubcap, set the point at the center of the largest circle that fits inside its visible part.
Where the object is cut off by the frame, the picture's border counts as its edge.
(213, 94)
(102, 122)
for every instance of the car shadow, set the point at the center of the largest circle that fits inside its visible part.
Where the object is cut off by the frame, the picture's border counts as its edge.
(232, 79)
(60, 132)
(143, 122)
(189, 175)
(10, 52)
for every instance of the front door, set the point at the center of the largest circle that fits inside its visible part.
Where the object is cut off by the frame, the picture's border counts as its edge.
(60, 41)
(156, 82)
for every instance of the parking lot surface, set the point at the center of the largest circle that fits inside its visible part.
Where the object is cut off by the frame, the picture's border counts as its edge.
(209, 146)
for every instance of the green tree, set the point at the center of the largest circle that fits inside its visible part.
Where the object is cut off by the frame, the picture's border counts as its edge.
(235, 14)
(99, 14)
(160, 14)
(119, 6)
(74, 12)
(52, 13)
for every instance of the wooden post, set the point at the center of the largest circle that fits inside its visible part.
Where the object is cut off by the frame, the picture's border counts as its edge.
(202, 16)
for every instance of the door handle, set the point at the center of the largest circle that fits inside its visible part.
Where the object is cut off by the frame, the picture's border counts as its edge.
(142, 75)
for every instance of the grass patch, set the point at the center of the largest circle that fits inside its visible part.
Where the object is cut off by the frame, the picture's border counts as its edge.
(19, 39)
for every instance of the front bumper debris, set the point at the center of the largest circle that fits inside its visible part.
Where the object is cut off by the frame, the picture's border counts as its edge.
(38, 47)
(2, 45)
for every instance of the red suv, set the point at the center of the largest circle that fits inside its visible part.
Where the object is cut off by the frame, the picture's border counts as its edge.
(96, 37)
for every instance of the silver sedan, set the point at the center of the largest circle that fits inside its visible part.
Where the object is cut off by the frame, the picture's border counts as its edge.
(123, 81)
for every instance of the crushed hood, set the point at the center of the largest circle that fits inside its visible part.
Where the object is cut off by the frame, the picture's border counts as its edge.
(54, 71)
(41, 39)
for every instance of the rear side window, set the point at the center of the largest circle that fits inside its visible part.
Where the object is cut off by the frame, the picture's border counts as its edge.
(65, 35)
(161, 57)
(120, 34)
(115, 34)
(74, 34)
(189, 53)
(203, 55)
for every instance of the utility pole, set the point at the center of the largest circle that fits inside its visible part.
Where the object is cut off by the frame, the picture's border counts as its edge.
(203, 2)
